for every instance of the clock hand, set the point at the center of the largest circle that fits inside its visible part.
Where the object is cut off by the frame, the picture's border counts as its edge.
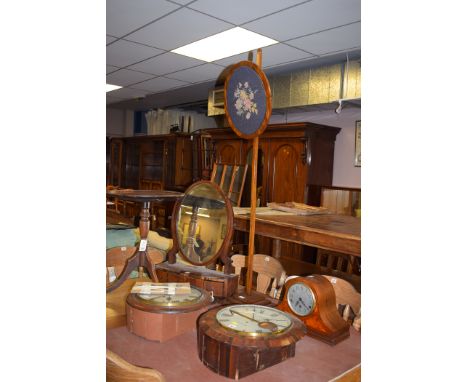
(262, 324)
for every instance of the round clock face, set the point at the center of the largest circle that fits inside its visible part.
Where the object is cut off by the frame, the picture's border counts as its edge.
(253, 319)
(173, 300)
(301, 299)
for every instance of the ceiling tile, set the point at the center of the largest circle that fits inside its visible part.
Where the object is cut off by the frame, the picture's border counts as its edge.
(110, 69)
(241, 11)
(333, 40)
(198, 74)
(178, 29)
(124, 16)
(166, 63)
(123, 53)
(127, 93)
(182, 2)
(159, 84)
(271, 55)
(109, 39)
(125, 77)
(308, 18)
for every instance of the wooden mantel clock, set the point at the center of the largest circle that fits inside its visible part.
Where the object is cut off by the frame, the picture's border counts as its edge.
(162, 317)
(238, 340)
(312, 300)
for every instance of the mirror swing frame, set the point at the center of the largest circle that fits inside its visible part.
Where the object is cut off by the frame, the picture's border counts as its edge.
(223, 252)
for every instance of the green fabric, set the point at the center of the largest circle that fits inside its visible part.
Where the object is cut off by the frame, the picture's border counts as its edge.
(120, 238)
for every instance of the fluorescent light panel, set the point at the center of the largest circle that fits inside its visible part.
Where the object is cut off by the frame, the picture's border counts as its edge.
(110, 87)
(224, 44)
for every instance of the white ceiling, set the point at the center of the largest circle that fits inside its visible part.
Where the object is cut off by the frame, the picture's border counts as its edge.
(141, 34)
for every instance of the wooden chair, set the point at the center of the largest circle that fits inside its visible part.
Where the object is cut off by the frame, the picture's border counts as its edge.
(339, 265)
(270, 273)
(341, 201)
(348, 301)
(231, 179)
(119, 370)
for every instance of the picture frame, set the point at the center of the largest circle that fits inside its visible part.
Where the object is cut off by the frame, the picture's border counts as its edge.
(357, 145)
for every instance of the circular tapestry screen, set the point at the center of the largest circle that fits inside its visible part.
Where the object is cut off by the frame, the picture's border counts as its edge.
(247, 99)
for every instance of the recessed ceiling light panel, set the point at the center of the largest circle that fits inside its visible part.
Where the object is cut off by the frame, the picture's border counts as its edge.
(225, 44)
(110, 87)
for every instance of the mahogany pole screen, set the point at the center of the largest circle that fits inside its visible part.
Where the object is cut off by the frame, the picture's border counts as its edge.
(247, 102)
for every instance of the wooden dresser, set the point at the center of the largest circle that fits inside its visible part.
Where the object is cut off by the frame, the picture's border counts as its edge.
(295, 162)
(166, 159)
(151, 162)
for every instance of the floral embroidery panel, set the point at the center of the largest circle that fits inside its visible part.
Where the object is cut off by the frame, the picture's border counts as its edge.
(246, 100)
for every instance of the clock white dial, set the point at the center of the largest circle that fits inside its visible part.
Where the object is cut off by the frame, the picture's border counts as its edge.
(301, 299)
(253, 319)
(172, 300)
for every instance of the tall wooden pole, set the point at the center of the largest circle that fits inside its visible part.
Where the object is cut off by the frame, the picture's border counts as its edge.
(253, 202)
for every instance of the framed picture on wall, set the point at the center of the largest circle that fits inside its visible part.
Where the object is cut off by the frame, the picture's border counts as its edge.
(357, 145)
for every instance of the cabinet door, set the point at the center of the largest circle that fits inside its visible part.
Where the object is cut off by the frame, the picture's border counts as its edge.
(131, 156)
(183, 161)
(152, 161)
(286, 171)
(115, 165)
(229, 152)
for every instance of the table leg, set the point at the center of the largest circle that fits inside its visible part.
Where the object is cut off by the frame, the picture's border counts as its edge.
(276, 248)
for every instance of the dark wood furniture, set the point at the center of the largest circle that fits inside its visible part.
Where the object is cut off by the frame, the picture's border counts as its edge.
(166, 159)
(202, 155)
(329, 231)
(141, 257)
(333, 233)
(295, 159)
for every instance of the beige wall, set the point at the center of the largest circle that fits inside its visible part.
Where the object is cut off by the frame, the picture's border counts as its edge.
(119, 123)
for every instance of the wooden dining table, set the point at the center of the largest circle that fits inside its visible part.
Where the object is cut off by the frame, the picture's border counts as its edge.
(339, 233)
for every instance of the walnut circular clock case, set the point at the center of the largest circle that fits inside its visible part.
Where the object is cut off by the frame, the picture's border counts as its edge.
(312, 300)
(162, 317)
(239, 340)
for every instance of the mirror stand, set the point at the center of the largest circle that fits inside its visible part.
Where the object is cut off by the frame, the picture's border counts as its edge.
(203, 215)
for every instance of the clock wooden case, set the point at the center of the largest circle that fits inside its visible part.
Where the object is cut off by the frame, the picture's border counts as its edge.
(160, 318)
(312, 300)
(238, 340)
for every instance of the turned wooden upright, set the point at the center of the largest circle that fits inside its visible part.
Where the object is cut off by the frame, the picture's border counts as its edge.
(246, 132)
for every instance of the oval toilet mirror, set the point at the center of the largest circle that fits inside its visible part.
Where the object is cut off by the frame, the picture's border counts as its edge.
(202, 223)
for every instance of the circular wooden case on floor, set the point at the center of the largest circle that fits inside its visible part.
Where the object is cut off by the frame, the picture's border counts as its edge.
(234, 351)
(312, 300)
(164, 317)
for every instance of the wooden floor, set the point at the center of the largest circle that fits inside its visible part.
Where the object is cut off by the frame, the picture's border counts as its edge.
(178, 361)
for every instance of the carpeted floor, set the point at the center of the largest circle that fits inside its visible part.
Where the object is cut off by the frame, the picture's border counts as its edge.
(178, 361)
